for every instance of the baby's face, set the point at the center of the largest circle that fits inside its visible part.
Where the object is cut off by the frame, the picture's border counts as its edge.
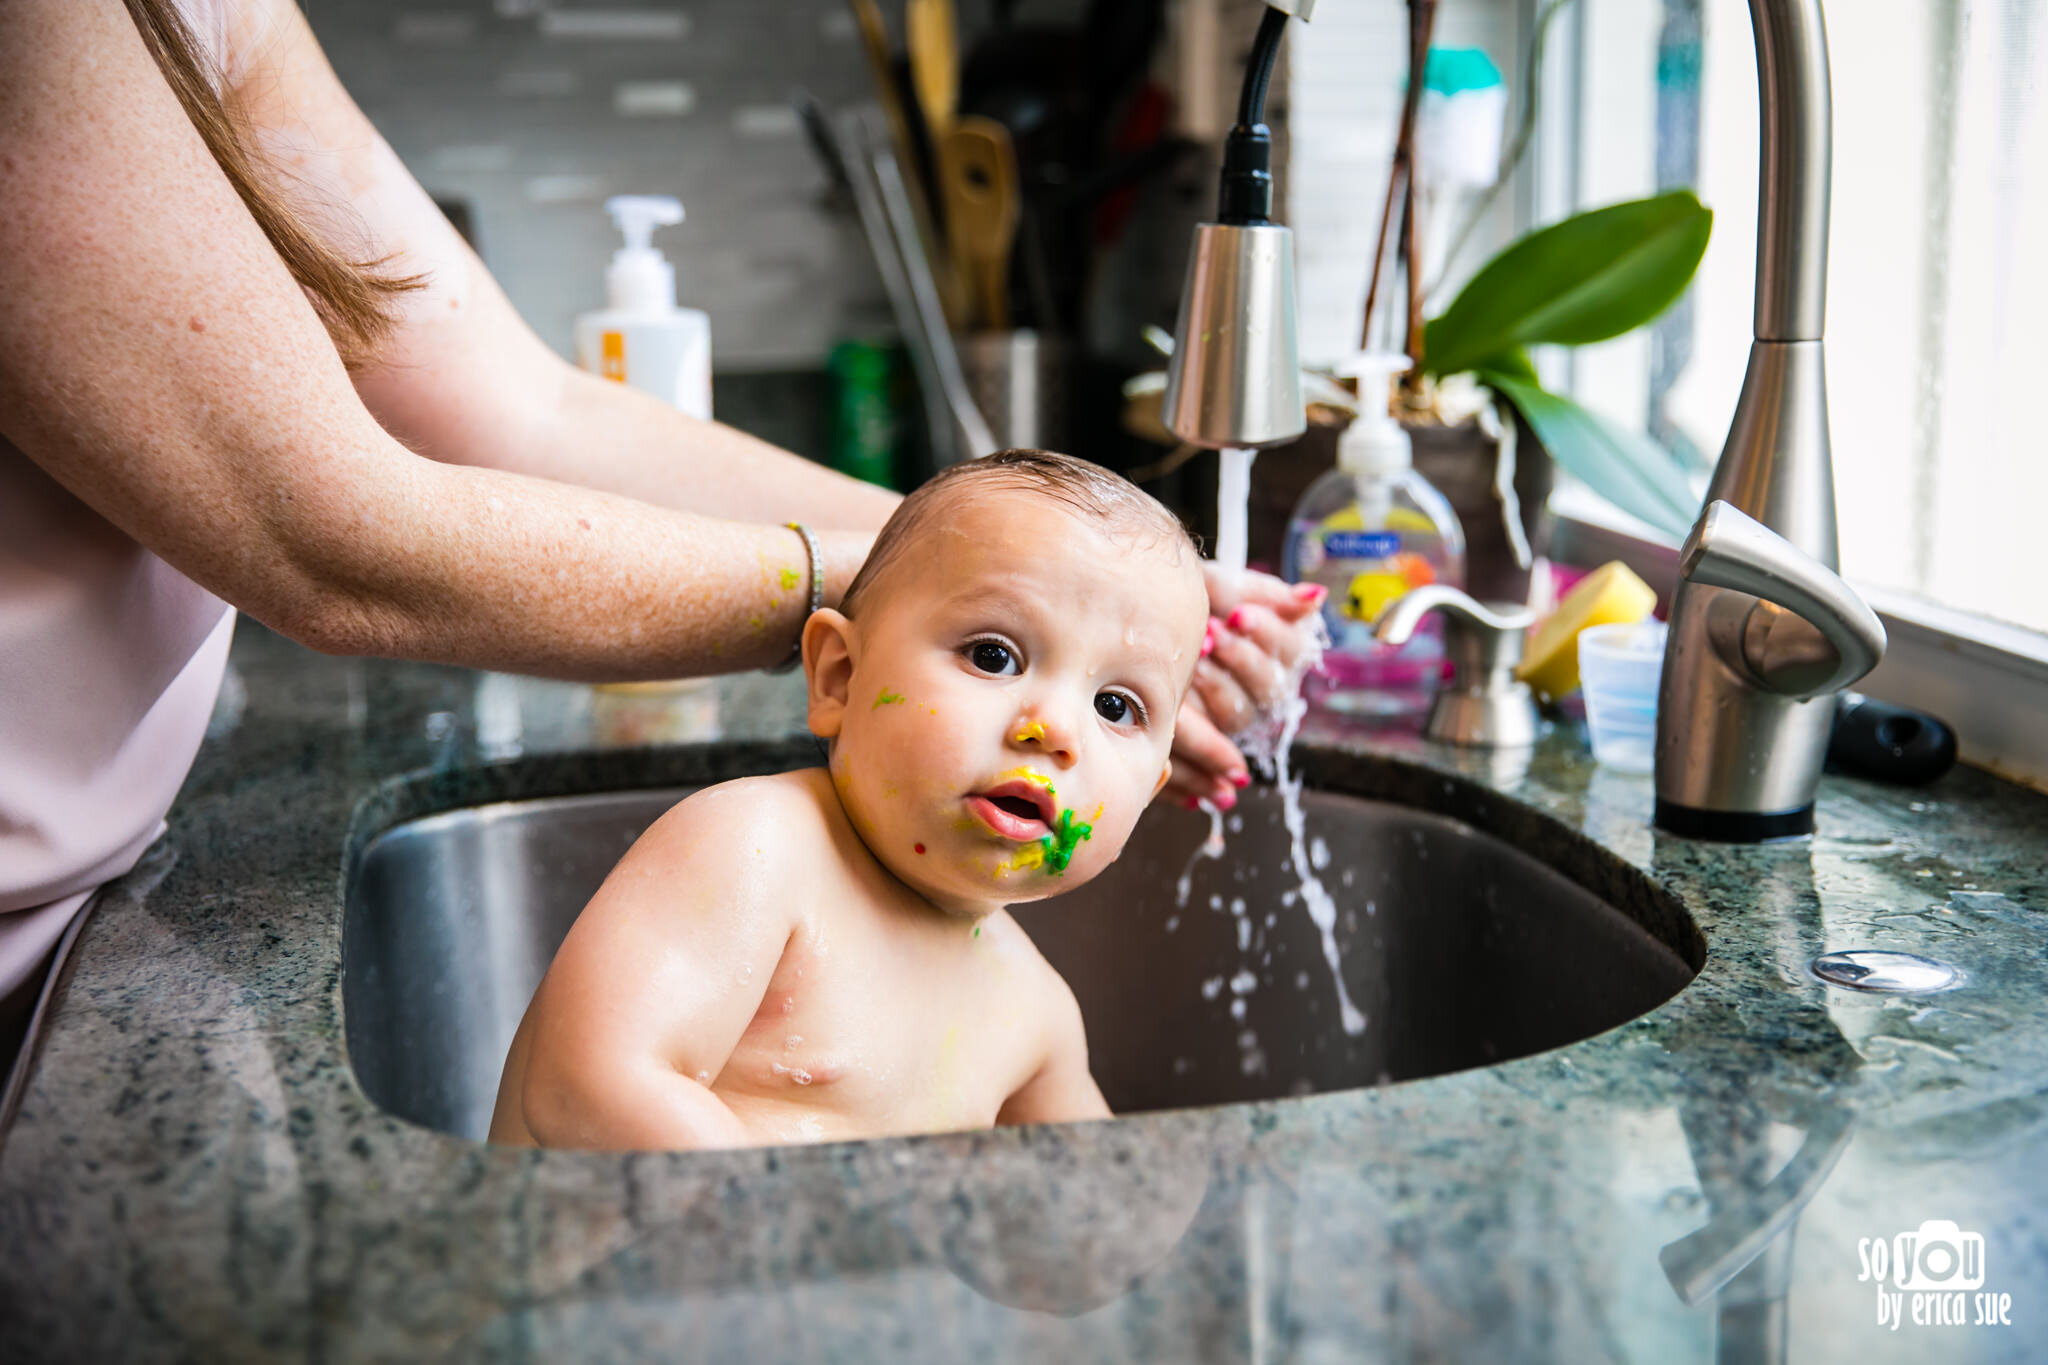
(1008, 697)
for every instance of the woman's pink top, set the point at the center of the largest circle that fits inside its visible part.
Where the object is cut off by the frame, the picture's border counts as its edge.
(109, 663)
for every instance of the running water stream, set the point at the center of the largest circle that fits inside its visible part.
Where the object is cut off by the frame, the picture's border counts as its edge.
(1233, 501)
(1271, 738)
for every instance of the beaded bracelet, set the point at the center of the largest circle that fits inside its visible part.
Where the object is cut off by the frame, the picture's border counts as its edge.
(796, 653)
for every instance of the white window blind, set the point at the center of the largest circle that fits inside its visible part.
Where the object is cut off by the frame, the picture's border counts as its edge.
(1346, 78)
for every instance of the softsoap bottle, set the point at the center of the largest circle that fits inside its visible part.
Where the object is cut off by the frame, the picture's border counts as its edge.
(641, 338)
(1368, 531)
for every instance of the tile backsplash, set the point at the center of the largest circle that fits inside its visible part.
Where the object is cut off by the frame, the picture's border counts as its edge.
(531, 112)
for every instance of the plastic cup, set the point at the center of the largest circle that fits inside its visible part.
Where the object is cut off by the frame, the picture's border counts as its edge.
(1618, 671)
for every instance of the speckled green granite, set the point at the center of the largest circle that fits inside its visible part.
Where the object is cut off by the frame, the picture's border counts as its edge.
(195, 1174)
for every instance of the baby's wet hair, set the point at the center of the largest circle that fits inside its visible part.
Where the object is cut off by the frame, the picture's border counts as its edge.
(1087, 488)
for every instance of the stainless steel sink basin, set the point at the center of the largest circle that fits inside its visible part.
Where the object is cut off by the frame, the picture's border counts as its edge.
(1461, 949)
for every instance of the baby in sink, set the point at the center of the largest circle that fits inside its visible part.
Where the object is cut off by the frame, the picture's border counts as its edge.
(825, 954)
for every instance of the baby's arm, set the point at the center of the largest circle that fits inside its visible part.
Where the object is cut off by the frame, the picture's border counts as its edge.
(1061, 1089)
(660, 976)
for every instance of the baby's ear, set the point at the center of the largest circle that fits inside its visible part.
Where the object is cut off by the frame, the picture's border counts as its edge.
(828, 669)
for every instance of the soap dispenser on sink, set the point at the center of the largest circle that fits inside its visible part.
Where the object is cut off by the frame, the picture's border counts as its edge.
(1481, 704)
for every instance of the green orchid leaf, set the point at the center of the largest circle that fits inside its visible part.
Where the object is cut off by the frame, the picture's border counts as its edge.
(1514, 363)
(1628, 469)
(1593, 276)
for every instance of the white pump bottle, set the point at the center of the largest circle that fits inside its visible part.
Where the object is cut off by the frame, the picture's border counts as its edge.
(641, 338)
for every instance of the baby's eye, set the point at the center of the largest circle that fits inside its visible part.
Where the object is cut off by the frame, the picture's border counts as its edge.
(992, 657)
(1118, 709)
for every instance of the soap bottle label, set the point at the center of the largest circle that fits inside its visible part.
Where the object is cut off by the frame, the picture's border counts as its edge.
(1364, 570)
(611, 358)
(1361, 544)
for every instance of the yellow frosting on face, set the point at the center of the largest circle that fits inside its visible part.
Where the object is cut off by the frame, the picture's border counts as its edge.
(1029, 776)
(1027, 857)
(1032, 730)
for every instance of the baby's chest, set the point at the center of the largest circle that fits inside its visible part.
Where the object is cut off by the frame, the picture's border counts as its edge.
(890, 1046)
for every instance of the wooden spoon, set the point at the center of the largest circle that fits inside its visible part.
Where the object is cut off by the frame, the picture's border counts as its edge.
(983, 203)
(933, 35)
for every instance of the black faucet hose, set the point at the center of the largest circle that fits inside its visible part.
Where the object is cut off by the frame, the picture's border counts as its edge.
(1246, 194)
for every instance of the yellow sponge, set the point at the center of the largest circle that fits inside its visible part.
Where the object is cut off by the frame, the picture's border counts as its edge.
(1610, 595)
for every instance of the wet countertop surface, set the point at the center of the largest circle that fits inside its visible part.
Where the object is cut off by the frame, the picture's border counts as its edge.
(196, 1175)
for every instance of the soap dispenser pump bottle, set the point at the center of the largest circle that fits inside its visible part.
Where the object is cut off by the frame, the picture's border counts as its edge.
(641, 338)
(1368, 531)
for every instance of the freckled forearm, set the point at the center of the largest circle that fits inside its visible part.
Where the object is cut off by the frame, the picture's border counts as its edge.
(464, 380)
(486, 569)
(494, 397)
(620, 440)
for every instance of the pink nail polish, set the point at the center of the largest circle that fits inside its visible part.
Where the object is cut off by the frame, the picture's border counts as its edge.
(1241, 780)
(1208, 637)
(1311, 592)
(1236, 619)
(1192, 802)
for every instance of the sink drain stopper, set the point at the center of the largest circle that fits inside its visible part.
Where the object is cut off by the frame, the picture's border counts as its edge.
(1872, 969)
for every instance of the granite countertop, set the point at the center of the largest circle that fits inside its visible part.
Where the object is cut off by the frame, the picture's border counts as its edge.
(196, 1175)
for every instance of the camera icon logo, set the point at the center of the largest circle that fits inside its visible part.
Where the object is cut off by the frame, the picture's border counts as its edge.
(1938, 1256)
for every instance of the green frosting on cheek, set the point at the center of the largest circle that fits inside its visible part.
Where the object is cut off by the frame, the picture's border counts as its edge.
(1059, 845)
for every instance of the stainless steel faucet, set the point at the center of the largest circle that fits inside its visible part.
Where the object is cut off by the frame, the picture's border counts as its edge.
(1763, 631)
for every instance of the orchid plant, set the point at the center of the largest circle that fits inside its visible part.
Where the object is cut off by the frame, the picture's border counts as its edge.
(1589, 278)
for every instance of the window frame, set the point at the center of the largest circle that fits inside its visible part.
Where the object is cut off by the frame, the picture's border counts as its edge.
(1987, 678)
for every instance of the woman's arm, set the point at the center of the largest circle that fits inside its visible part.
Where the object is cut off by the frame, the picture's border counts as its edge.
(158, 360)
(465, 380)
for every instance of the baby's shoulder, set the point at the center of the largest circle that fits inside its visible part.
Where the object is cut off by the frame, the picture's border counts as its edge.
(775, 816)
(771, 798)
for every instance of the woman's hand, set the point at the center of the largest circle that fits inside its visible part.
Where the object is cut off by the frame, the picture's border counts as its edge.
(1258, 630)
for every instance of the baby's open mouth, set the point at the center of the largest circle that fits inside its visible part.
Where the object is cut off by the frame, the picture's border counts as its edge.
(1015, 810)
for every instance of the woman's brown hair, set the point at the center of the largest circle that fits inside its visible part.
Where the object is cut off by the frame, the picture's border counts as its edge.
(353, 298)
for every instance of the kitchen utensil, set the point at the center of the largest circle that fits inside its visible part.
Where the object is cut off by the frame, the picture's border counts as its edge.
(932, 34)
(874, 41)
(840, 146)
(1019, 381)
(979, 169)
(958, 430)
